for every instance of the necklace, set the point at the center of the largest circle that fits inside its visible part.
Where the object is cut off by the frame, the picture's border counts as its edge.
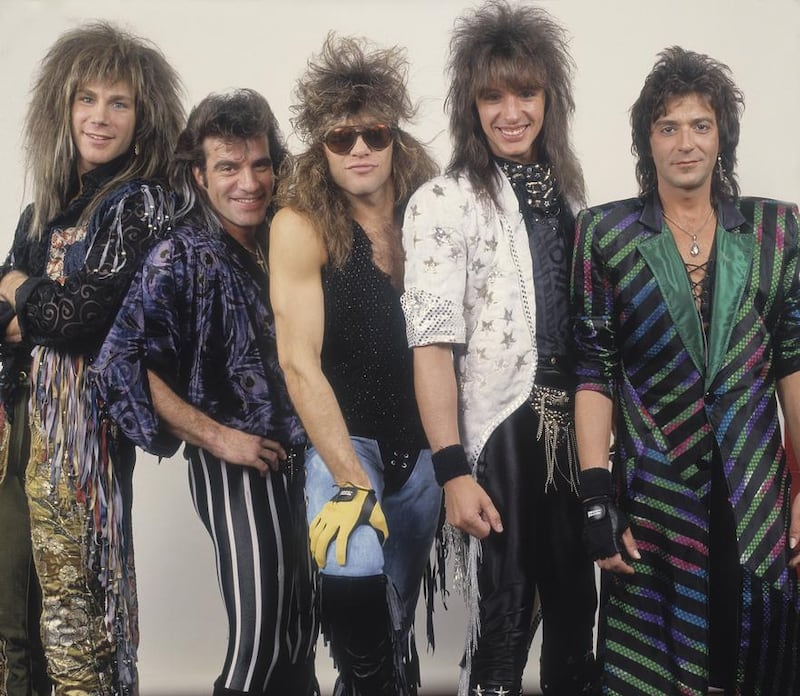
(258, 256)
(694, 250)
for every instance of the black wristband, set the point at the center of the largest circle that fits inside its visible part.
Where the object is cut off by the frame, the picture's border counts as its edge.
(7, 313)
(450, 462)
(595, 483)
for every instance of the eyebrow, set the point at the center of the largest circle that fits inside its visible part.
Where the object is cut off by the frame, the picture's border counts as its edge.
(227, 163)
(112, 97)
(675, 122)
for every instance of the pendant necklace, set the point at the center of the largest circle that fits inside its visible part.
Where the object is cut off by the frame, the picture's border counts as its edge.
(258, 256)
(694, 250)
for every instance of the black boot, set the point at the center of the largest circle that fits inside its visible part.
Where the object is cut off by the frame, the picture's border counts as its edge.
(357, 624)
(579, 678)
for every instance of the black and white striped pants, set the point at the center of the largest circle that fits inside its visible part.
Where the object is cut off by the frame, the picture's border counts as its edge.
(259, 531)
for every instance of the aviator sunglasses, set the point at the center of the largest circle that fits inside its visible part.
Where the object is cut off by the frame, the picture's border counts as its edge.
(340, 140)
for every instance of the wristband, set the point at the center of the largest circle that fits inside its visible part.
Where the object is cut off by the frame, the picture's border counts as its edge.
(449, 462)
(596, 482)
(7, 313)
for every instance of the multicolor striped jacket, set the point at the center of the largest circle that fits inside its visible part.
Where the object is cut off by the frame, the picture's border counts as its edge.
(684, 399)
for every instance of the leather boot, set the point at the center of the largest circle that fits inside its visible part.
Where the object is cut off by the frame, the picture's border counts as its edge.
(579, 679)
(356, 623)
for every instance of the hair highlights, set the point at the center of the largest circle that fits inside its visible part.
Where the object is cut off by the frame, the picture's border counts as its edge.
(349, 77)
(97, 52)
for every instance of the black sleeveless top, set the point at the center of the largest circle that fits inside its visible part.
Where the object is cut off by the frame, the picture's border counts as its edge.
(365, 353)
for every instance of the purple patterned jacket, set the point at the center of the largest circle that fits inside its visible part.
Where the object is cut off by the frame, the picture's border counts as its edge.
(198, 315)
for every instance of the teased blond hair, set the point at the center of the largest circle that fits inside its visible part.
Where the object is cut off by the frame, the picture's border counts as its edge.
(97, 51)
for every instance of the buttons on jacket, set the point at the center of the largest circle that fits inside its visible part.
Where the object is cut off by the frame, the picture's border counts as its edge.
(709, 398)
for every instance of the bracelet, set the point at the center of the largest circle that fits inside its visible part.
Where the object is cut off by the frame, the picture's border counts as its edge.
(449, 462)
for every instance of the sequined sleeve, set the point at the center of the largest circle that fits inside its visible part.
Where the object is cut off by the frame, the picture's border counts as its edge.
(437, 223)
(597, 357)
(74, 313)
(788, 329)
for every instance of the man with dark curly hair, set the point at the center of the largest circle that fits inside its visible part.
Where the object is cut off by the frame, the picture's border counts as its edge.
(192, 357)
(336, 265)
(687, 306)
(487, 295)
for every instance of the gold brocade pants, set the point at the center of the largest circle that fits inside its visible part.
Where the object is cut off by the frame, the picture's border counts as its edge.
(80, 655)
(22, 662)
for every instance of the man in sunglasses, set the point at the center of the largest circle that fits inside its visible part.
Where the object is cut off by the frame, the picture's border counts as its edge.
(336, 263)
(192, 357)
(487, 304)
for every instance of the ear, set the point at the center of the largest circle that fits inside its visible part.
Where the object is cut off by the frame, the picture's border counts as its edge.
(200, 177)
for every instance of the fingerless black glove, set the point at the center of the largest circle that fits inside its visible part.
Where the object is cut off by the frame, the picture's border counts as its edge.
(603, 521)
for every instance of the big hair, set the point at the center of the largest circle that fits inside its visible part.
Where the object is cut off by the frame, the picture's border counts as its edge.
(93, 52)
(515, 47)
(350, 77)
(239, 115)
(677, 73)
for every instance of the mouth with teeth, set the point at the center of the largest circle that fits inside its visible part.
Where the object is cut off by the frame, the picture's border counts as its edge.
(254, 200)
(512, 131)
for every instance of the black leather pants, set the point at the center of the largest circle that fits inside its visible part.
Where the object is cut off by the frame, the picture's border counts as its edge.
(539, 549)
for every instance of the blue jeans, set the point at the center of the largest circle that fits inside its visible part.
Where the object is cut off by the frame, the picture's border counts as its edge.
(411, 514)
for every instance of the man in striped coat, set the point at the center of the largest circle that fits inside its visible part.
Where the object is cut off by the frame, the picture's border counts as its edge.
(687, 309)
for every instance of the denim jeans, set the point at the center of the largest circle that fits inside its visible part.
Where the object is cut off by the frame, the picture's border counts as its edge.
(412, 514)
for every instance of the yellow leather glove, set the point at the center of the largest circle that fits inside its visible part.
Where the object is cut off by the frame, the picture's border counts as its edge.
(349, 508)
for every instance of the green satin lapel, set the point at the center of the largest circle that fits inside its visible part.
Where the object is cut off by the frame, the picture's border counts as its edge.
(665, 262)
(734, 258)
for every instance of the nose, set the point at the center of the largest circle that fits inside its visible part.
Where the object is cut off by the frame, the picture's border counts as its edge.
(248, 179)
(99, 112)
(360, 147)
(685, 140)
(510, 107)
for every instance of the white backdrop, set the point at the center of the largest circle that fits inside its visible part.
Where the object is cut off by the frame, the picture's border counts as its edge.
(263, 44)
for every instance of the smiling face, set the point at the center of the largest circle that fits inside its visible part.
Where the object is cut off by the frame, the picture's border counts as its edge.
(511, 120)
(238, 180)
(362, 172)
(103, 122)
(684, 143)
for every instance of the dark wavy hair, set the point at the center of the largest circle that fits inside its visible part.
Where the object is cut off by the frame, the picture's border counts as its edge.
(516, 47)
(679, 72)
(238, 115)
(349, 77)
(98, 51)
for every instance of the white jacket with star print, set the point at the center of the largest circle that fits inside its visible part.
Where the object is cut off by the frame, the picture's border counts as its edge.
(469, 282)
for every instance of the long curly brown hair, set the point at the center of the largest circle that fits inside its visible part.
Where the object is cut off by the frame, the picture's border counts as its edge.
(517, 47)
(349, 77)
(97, 51)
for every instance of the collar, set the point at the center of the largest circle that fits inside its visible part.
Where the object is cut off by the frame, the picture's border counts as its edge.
(728, 214)
(93, 180)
